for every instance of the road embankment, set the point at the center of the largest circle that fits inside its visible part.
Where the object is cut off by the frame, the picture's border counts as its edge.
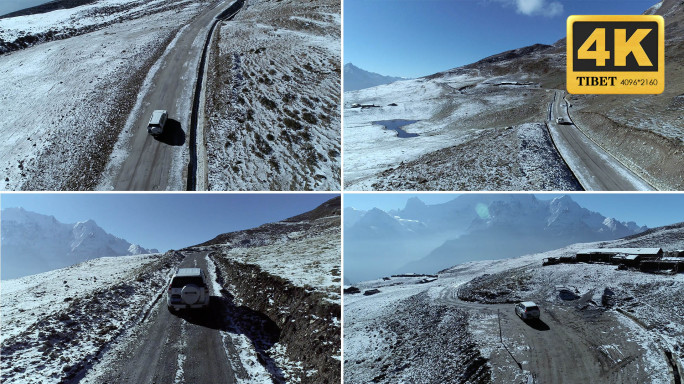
(306, 319)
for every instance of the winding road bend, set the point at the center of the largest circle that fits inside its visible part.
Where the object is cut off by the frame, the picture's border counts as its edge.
(562, 347)
(595, 169)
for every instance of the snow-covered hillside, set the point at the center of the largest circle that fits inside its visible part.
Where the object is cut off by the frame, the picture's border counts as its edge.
(356, 78)
(291, 271)
(79, 77)
(34, 243)
(427, 238)
(428, 329)
(272, 114)
(477, 117)
(57, 324)
(477, 123)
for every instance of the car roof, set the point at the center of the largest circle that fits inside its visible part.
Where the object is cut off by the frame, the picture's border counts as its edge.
(528, 303)
(157, 115)
(189, 272)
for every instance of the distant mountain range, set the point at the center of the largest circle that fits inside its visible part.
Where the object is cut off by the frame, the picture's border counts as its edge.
(356, 78)
(427, 238)
(33, 243)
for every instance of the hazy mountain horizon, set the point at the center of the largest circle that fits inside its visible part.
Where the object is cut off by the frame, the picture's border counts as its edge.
(425, 238)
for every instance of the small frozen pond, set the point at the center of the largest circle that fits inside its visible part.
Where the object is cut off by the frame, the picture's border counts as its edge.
(396, 125)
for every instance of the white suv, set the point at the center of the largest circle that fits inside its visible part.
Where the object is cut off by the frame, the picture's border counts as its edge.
(156, 125)
(527, 310)
(188, 289)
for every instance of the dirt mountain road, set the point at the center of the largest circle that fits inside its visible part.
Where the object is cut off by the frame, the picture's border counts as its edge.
(148, 165)
(172, 348)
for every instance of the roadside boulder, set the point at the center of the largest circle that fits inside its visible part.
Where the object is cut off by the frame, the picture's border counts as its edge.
(351, 290)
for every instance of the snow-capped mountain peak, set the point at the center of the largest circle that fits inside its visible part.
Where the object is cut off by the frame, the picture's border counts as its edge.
(34, 243)
(473, 227)
(356, 78)
(610, 223)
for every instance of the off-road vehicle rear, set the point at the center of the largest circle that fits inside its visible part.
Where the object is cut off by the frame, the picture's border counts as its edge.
(188, 289)
(527, 310)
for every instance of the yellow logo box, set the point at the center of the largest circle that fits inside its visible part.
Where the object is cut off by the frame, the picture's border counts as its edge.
(610, 54)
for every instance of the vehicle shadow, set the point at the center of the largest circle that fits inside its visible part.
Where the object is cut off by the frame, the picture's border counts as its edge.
(537, 324)
(224, 315)
(173, 133)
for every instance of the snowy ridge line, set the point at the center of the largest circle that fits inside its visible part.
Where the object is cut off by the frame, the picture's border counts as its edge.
(636, 174)
(197, 98)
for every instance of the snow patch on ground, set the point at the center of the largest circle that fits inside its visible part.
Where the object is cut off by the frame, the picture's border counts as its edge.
(272, 114)
(451, 110)
(181, 356)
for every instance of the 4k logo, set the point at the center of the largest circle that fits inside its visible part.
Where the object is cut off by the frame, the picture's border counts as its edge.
(616, 54)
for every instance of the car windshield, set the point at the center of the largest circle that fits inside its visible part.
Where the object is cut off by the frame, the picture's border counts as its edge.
(181, 281)
(533, 308)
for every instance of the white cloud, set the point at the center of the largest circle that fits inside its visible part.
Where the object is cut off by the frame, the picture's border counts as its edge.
(536, 7)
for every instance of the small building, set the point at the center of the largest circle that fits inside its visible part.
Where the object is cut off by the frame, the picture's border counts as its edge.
(663, 264)
(626, 259)
(606, 255)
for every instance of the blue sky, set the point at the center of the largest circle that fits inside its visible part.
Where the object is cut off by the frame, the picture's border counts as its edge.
(648, 209)
(168, 221)
(413, 38)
